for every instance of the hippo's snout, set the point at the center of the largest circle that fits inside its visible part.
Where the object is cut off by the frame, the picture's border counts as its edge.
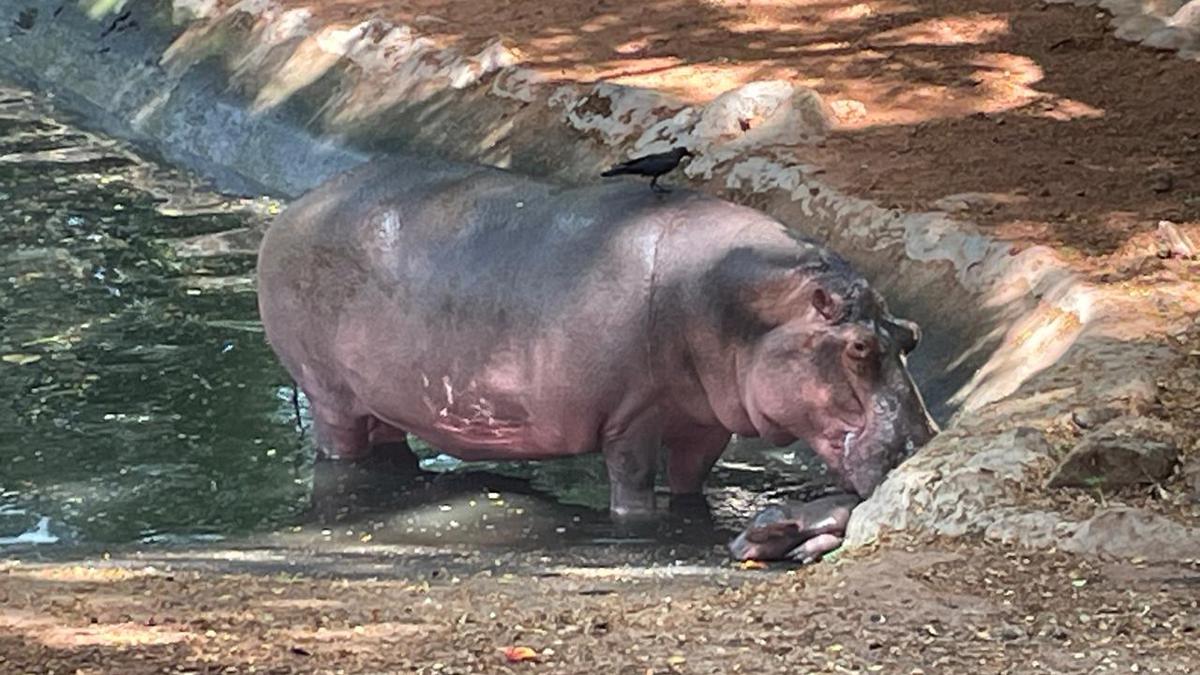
(898, 425)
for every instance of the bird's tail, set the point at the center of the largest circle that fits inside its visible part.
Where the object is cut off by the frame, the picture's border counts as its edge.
(616, 171)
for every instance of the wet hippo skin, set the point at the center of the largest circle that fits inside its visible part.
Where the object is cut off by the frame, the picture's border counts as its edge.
(499, 317)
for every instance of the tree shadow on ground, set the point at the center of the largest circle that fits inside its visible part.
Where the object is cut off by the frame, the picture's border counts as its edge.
(1075, 139)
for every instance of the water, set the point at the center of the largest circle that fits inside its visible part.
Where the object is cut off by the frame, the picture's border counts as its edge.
(140, 403)
(138, 395)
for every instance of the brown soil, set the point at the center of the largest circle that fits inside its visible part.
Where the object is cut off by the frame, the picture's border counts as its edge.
(959, 608)
(1081, 140)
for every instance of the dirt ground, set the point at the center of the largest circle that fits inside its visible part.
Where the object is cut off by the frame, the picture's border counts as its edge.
(1075, 138)
(931, 607)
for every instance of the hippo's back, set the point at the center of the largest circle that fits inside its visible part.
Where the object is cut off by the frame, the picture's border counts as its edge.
(459, 248)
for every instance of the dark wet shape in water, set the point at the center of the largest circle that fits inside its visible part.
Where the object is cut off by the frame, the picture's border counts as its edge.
(139, 403)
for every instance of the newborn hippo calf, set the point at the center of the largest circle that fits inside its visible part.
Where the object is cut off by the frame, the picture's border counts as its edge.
(800, 531)
(503, 318)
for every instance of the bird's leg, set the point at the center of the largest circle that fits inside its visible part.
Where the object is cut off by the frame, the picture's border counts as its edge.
(654, 186)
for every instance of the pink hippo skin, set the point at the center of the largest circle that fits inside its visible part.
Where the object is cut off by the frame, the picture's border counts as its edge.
(502, 318)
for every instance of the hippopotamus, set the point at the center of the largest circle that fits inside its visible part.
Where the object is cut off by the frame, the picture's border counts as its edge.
(500, 317)
(799, 531)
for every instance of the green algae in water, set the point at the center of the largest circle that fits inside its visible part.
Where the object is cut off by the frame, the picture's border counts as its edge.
(137, 398)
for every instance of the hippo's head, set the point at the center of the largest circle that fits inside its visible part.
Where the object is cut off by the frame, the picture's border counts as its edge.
(820, 359)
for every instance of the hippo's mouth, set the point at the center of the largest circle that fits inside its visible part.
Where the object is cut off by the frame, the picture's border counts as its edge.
(837, 445)
(841, 442)
(847, 440)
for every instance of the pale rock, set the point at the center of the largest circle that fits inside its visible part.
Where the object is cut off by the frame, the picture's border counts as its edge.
(1161, 7)
(1121, 8)
(1124, 451)
(519, 84)
(1191, 478)
(762, 114)
(964, 201)
(1175, 241)
(616, 113)
(1188, 17)
(1031, 529)
(848, 109)
(952, 486)
(1170, 39)
(1127, 532)
(1138, 27)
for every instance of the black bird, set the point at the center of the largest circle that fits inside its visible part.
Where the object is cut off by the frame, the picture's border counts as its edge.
(654, 166)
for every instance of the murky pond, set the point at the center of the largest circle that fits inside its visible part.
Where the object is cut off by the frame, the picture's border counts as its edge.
(140, 403)
(140, 400)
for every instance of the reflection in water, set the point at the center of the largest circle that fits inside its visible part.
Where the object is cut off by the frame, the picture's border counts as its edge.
(480, 508)
(139, 402)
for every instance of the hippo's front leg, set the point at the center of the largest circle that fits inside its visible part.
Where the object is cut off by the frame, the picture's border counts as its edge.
(632, 461)
(690, 457)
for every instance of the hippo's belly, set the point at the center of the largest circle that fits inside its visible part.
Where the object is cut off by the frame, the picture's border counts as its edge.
(477, 428)
(513, 405)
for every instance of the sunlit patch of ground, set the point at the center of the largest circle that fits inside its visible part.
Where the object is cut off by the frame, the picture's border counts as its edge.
(930, 99)
(56, 635)
(80, 574)
(937, 606)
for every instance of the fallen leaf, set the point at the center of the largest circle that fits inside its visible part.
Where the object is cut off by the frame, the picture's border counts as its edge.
(753, 565)
(519, 654)
(21, 359)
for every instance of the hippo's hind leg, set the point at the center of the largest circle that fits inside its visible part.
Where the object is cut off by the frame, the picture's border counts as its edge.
(631, 458)
(390, 444)
(360, 438)
(340, 435)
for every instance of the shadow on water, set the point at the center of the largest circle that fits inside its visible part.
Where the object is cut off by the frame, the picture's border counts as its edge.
(530, 504)
(140, 404)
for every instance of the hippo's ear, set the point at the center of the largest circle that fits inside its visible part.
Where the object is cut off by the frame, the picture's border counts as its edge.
(907, 334)
(826, 305)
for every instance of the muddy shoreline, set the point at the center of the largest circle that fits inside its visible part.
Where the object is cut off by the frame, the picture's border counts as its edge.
(908, 607)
